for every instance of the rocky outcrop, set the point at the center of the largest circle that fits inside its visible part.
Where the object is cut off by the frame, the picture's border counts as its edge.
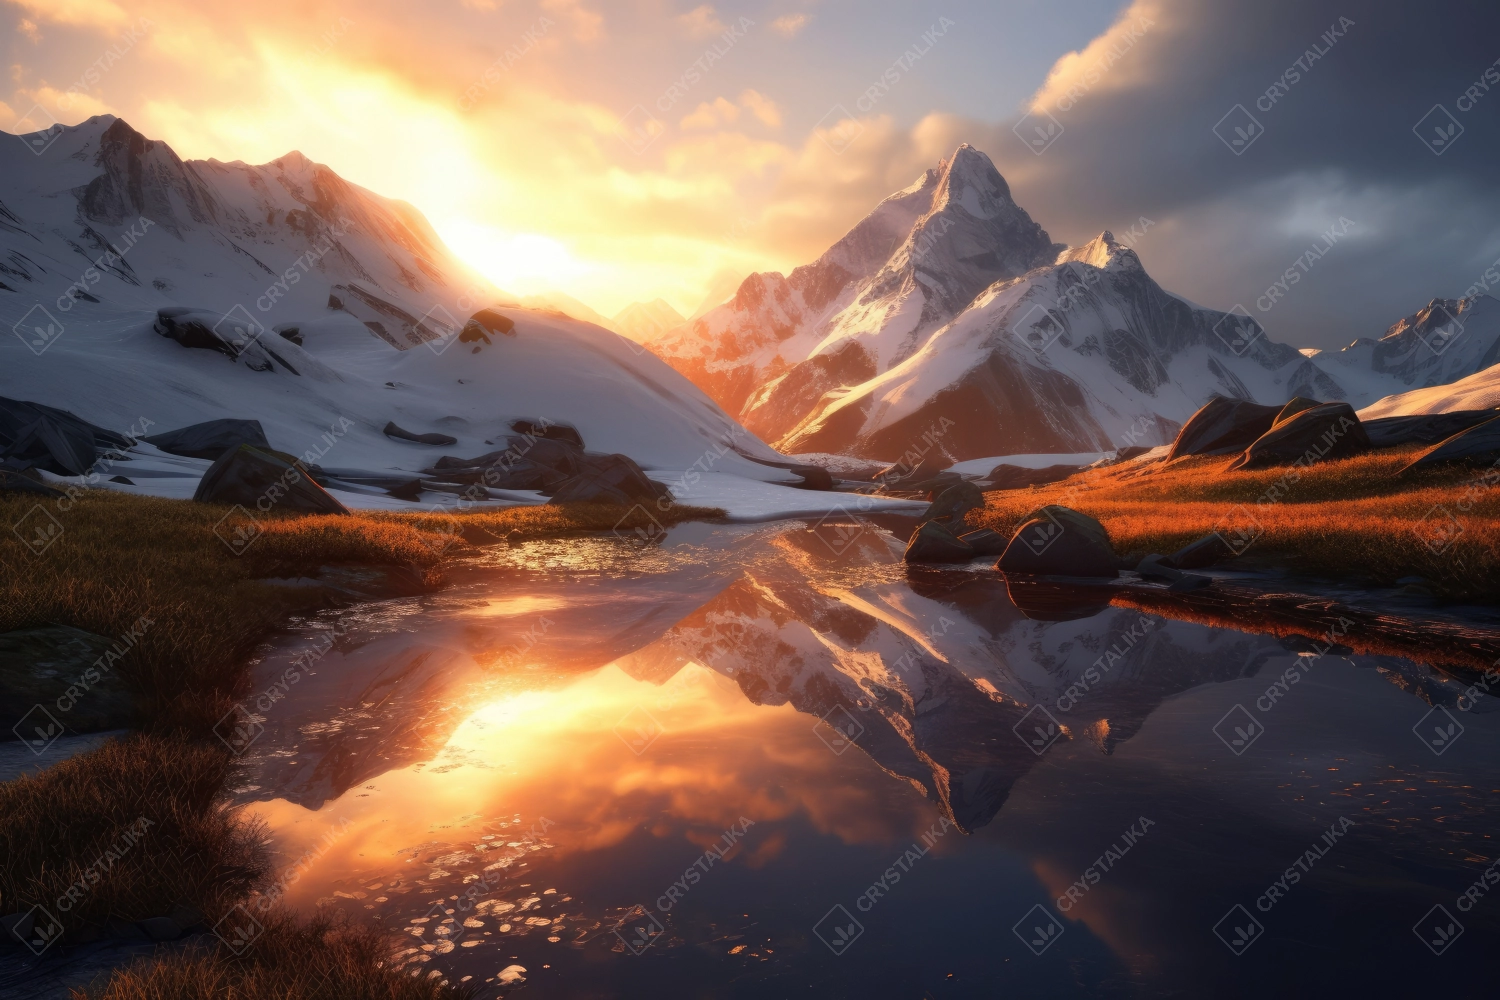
(953, 503)
(262, 481)
(34, 436)
(211, 438)
(1324, 432)
(1423, 428)
(1479, 445)
(1222, 426)
(612, 479)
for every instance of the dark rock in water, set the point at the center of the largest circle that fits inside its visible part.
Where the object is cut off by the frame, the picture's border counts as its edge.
(261, 481)
(1479, 445)
(1015, 477)
(1157, 567)
(1206, 551)
(814, 477)
(615, 479)
(549, 429)
(38, 666)
(392, 431)
(34, 436)
(953, 503)
(211, 438)
(1423, 428)
(17, 482)
(1296, 406)
(935, 543)
(984, 542)
(1222, 426)
(1326, 431)
(1060, 541)
(1190, 581)
(1044, 600)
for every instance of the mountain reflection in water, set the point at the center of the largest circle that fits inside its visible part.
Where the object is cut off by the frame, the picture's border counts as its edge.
(605, 720)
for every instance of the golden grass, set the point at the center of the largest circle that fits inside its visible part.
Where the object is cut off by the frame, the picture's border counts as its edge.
(1353, 520)
(133, 828)
(291, 959)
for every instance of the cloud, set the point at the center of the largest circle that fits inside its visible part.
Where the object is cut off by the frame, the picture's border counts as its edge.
(702, 22)
(30, 30)
(587, 25)
(711, 115)
(84, 13)
(787, 25)
(761, 107)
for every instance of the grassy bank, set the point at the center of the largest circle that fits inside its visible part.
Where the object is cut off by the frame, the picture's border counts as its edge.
(155, 569)
(1353, 520)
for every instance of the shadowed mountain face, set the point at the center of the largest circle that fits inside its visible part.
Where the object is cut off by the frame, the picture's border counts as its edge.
(939, 677)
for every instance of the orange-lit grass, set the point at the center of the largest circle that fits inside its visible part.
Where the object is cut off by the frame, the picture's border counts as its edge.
(1354, 520)
(293, 958)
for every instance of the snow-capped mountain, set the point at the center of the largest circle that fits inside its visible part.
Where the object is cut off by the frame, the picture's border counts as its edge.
(351, 305)
(642, 321)
(947, 315)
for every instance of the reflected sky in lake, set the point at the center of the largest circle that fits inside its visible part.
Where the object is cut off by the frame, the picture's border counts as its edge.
(773, 764)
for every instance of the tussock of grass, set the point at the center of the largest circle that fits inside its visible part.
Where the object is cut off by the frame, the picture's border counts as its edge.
(1352, 520)
(292, 959)
(135, 827)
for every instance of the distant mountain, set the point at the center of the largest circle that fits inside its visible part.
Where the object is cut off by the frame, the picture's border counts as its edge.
(569, 306)
(721, 289)
(315, 304)
(642, 321)
(948, 315)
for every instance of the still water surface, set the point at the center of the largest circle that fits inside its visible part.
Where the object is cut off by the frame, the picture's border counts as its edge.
(761, 761)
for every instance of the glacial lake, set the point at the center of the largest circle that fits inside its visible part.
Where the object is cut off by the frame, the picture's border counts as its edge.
(765, 761)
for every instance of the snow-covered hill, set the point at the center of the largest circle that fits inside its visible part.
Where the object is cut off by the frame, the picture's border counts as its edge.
(105, 227)
(948, 315)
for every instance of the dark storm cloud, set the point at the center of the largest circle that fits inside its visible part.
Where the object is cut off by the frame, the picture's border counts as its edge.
(1335, 90)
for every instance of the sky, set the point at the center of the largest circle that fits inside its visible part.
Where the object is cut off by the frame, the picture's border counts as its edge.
(637, 149)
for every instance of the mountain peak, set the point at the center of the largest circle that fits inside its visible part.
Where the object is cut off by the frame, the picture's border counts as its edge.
(969, 178)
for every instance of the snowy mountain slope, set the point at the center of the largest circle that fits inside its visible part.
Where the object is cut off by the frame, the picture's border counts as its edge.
(864, 304)
(105, 228)
(1087, 354)
(976, 326)
(1480, 391)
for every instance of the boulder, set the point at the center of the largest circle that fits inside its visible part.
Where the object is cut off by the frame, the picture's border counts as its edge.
(953, 503)
(1423, 428)
(1206, 551)
(37, 666)
(984, 542)
(1296, 406)
(211, 438)
(392, 431)
(935, 543)
(1060, 541)
(484, 323)
(904, 476)
(1479, 445)
(549, 429)
(262, 481)
(34, 436)
(1221, 426)
(614, 479)
(1325, 431)
(1015, 477)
